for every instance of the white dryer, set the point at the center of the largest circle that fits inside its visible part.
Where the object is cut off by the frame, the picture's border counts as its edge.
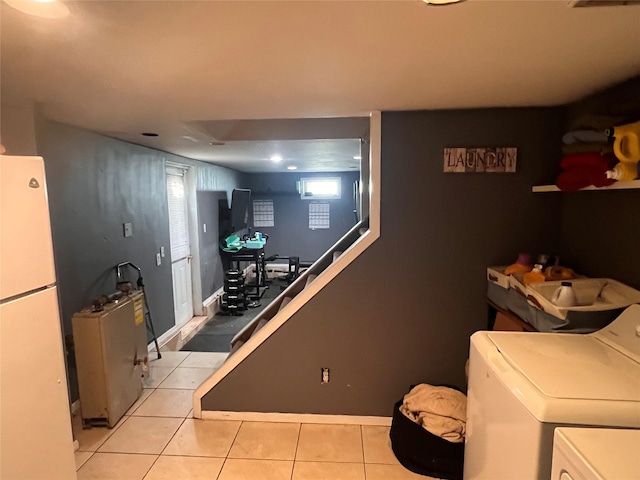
(596, 454)
(524, 385)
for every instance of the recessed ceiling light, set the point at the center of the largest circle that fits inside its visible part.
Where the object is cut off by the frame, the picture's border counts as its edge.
(40, 8)
(149, 134)
(292, 167)
(276, 158)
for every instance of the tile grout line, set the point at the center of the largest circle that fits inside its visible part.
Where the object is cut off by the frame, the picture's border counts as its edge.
(226, 457)
(295, 453)
(184, 359)
(114, 430)
(150, 467)
(150, 366)
(85, 462)
(174, 434)
(117, 427)
(364, 465)
(165, 447)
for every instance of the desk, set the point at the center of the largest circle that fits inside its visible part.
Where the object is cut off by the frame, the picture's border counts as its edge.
(251, 255)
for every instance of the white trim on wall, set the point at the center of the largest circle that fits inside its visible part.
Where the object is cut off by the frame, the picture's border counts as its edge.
(297, 418)
(191, 181)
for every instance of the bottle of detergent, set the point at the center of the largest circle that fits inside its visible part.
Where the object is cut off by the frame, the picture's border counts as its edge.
(626, 145)
(534, 275)
(623, 172)
(564, 296)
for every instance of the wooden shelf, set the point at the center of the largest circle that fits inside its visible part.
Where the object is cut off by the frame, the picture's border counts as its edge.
(616, 186)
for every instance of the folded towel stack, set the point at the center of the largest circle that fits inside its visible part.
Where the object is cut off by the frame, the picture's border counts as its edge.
(584, 169)
(588, 153)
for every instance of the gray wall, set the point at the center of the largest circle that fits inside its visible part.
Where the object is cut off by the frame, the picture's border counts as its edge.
(601, 234)
(210, 261)
(95, 184)
(403, 312)
(601, 230)
(17, 131)
(291, 235)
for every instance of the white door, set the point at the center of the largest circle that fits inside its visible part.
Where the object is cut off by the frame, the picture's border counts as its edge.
(180, 246)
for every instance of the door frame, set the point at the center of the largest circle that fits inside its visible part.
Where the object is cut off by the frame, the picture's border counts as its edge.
(190, 177)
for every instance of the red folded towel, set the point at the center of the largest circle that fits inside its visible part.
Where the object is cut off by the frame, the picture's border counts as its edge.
(576, 178)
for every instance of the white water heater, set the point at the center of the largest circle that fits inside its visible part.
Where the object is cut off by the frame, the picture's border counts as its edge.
(111, 354)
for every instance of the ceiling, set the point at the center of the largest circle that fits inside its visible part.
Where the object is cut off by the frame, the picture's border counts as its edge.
(212, 77)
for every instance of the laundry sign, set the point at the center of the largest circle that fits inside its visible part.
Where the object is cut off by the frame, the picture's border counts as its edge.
(490, 160)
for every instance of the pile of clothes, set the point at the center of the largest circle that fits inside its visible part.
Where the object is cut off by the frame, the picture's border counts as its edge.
(440, 410)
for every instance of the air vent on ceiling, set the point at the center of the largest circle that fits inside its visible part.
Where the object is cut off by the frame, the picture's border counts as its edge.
(602, 3)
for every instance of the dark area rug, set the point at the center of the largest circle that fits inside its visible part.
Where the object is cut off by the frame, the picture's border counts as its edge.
(217, 334)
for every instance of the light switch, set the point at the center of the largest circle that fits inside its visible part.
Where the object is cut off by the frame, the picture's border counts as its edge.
(158, 259)
(204, 227)
(128, 229)
(162, 252)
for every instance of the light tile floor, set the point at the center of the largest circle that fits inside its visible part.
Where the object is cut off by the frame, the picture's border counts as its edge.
(158, 440)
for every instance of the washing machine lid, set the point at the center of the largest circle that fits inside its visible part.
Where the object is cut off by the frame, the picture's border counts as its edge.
(571, 366)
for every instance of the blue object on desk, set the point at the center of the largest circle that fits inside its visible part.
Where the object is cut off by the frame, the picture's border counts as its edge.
(232, 244)
(253, 243)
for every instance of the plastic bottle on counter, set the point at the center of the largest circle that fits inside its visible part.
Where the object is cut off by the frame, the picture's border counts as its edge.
(564, 296)
(623, 172)
(522, 265)
(534, 276)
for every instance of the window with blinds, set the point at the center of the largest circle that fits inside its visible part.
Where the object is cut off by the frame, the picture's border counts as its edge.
(178, 227)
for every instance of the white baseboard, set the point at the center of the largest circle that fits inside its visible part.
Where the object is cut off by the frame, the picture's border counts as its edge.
(211, 305)
(297, 418)
(175, 338)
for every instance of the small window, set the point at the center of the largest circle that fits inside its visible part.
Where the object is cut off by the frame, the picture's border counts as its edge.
(320, 188)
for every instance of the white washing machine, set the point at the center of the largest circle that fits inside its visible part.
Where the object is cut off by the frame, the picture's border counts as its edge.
(523, 385)
(595, 454)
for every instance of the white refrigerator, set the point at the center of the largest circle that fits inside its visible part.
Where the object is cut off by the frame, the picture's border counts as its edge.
(36, 441)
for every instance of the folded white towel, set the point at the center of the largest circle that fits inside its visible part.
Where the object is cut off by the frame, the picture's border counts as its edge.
(440, 410)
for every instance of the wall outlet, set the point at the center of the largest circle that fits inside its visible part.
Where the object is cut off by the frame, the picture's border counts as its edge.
(162, 252)
(325, 375)
(127, 229)
(158, 259)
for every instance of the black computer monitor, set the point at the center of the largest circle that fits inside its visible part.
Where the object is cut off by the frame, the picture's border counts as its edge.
(240, 203)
